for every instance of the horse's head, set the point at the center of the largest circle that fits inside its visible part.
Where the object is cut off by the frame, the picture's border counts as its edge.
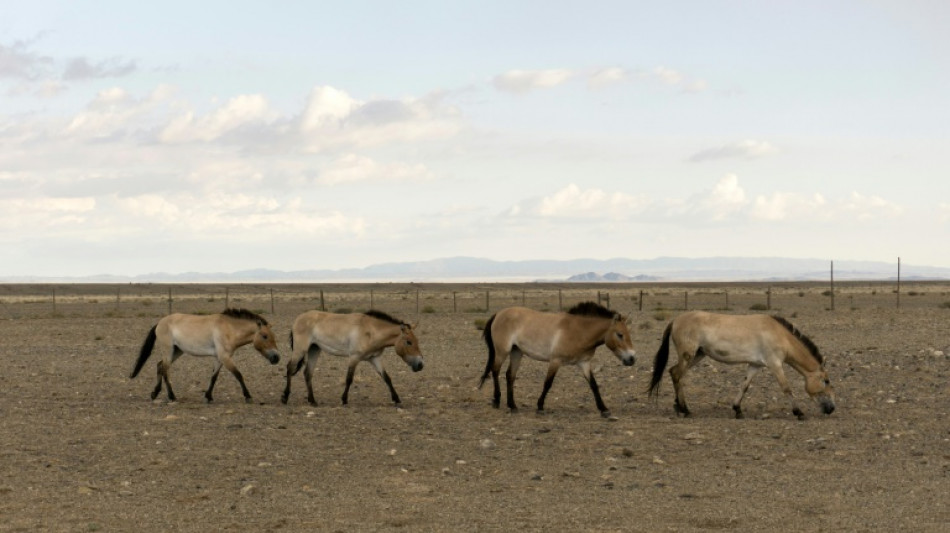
(407, 347)
(818, 386)
(618, 340)
(266, 343)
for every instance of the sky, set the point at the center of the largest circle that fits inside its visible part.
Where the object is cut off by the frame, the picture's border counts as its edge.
(223, 136)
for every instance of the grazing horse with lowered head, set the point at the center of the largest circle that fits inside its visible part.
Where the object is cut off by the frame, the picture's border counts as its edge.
(756, 340)
(216, 335)
(559, 338)
(357, 336)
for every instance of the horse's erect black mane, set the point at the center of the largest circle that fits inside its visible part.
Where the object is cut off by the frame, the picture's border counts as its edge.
(801, 337)
(591, 309)
(244, 314)
(375, 313)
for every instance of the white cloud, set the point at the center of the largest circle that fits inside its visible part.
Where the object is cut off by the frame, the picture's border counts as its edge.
(726, 198)
(352, 168)
(788, 206)
(861, 207)
(574, 202)
(606, 76)
(522, 81)
(747, 149)
(236, 215)
(334, 121)
(238, 112)
(28, 215)
(17, 61)
(79, 68)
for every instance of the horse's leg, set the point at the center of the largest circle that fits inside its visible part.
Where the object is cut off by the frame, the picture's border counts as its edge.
(214, 378)
(164, 368)
(779, 373)
(313, 353)
(548, 380)
(589, 375)
(350, 370)
(510, 375)
(229, 364)
(736, 404)
(378, 365)
(500, 356)
(686, 361)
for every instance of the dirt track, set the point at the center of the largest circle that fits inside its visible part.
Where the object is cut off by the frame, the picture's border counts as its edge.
(83, 448)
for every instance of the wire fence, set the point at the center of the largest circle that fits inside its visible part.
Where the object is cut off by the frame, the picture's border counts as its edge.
(33, 301)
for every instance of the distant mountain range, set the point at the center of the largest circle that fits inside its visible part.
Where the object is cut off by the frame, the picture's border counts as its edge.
(459, 269)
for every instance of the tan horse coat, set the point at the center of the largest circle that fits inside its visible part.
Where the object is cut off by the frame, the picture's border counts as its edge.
(760, 341)
(356, 336)
(217, 335)
(559, 339)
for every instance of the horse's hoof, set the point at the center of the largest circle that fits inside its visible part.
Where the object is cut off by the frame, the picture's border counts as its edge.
(283, 400)
(739, 413)
(798, 413)
(605, 414)
(496, 405)
(248, 400)
(398, 405)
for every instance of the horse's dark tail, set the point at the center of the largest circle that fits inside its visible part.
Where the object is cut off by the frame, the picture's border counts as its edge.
(486, 334)
(659, 362)
(145, 352)
(302, 359)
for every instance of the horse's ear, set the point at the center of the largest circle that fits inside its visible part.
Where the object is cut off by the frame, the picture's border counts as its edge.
(260, 324)
(405, 328)
(618, 317)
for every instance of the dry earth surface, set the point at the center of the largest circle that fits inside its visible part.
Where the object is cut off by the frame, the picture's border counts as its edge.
(84, 449)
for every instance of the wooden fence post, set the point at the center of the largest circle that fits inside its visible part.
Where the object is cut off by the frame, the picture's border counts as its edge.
(560, 301)
(832, 285)
(640, 301)
(455, 305)
(487, 301)
(323, 303)
(227, 297)
(768, 298)
(272, 301)
(169, 300)
(685, 300)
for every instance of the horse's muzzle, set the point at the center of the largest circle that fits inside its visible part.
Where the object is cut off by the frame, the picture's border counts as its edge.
(827, 406)
(416, 366)
(628, 360)
(274, 358)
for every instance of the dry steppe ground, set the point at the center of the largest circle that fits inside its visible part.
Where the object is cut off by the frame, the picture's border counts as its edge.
(84, 449)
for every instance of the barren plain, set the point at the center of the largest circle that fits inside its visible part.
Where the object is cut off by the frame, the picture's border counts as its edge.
(84, 449)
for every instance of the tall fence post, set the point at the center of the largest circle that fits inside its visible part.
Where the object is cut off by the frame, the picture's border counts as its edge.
(455, 305)
(560, 301)
(768, 298)
(272, 301)
(487, 301)
(832, 285)
(417, 300)
(685, 300)
(640, 301)
(323, 302)
(227, 297)
(169, 300)
(898, 282)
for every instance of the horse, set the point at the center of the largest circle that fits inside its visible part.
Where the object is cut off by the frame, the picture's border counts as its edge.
(559, 338)
(357, 336)
(756, 340)
(216, 335)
